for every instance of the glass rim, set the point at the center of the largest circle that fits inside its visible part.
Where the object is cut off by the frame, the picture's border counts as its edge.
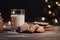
(22, 11)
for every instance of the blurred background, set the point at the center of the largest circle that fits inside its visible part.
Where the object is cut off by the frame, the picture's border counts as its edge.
(35, 10)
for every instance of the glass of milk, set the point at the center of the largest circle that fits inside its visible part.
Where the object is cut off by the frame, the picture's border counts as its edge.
(17, 17)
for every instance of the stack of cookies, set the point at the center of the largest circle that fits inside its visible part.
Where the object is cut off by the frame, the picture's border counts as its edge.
(36, 27)
(40, 29)
(48, 27)
(31, 28)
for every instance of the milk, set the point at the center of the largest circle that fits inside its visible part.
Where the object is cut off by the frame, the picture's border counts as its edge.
(19, 20)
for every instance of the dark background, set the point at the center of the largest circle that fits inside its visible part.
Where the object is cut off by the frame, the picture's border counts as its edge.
(33, 8)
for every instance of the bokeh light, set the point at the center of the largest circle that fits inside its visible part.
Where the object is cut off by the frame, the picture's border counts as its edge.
(43, 18)
(56, 21)
(56, 2)
(46, 0)
(49, 6)
(50, 12)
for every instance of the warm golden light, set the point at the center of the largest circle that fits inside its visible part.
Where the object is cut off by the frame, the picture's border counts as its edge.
(9, 23)
(56, 21)
(56, 2)
(49, 6)
(35, 22)
(13, 12)
(50, 12)
(4, 26)
(43, 18)
(46, 0)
